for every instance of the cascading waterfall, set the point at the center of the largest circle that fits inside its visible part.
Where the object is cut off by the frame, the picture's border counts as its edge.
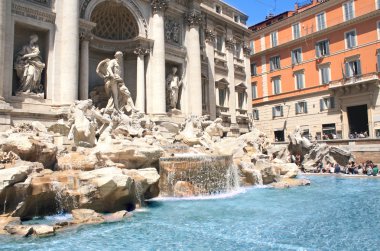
(199, 174)
(58, 189)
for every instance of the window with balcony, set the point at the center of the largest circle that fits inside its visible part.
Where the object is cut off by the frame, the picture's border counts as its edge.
(353, 68)
(348, 10)
(274, 63)
(327, 103)
(254, 90)
(301, 107)
(296, 56)
(321, 21)
(255, 114)
(350, 39)
(296, 30)
(219, 42)
(299, 78)
(253, 69)
(276, 82)
(322, 48)
(277, 111)
(324, 74)
(274, 39)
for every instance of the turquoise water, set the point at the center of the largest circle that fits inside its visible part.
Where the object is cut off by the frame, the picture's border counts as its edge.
(332, 214)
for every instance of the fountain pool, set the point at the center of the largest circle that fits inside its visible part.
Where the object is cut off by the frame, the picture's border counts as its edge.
(332, 214)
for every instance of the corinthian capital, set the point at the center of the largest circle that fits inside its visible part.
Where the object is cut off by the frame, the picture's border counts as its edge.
(140, 51)
(193, 18)
(159, 5)
(230, 43)
(210, 36)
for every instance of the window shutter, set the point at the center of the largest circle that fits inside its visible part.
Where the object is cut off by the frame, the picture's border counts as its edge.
(305, 107)
(346, 15)
(282, 111)
(317, 51)
(332, 102)
(273, 111)
(271, 64)
(321, 104)
(378, 59)
(348, 73)
(293, 57)
(327, 47)
(257, 115)
(359, 67)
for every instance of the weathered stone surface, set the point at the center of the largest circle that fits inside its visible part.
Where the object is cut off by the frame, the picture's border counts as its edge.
(43, 230)
(269, 172)
(288, 183)
(21, 230)
(86, 216)
(118, 216)
(60, 127)
(184, 189)
(31, 148)
(249, 175)
(146, 181)
(8, 220)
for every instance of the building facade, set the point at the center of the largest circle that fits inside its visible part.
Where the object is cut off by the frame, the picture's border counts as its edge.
(205, 41)
(317, 67)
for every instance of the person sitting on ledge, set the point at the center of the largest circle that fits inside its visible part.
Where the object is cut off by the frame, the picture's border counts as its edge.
(375, 170)
(336, 168)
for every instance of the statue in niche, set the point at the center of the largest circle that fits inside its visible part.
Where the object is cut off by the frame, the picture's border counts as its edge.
(173, 83)
(120, 100)
(29, 67)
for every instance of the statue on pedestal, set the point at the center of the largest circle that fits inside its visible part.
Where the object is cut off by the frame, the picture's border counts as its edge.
(29, 66)
(173, 83)
(120, 100)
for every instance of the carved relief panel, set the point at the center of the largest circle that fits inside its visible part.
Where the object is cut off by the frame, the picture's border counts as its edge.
(173, 30)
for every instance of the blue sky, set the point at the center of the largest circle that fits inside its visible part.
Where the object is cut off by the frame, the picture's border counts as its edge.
(258, 9)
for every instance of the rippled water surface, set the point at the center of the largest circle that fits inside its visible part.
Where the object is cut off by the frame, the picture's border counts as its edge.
(332, 214)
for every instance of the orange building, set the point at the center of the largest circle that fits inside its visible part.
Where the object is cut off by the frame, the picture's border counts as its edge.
(317, 67)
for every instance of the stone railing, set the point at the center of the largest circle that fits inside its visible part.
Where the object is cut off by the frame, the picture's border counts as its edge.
(223, 111)
(369, 77)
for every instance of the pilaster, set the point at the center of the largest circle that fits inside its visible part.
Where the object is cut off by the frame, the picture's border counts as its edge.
(230, 46)
(210, 52)
(140, 96)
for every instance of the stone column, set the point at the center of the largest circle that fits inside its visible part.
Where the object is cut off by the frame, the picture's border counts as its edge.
(230, 45)
(194, 82)
(140, 82)
(156, 103)
(84, 66)
(67, 41)
(210, 52)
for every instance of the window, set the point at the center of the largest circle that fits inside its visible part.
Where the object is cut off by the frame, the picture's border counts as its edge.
(296, 30)
(277, 111)
(299, 79)
(297, 56)
(253, 69)
(218, 9)
(322, 48)
(378, 60)
(219, 42)
(236, 18)
(241, 100)
(301, 107)
(255, 114)
(276, 85)
(273, 39)
(252, 47)
(348, 9)
(254, 90)
(222, 96)
(378, 4)
(321, 21)
(378, 29)
(204, 93)
(274, 63)
(324, 74)
(327, 103)
(353, 68)
(237, 50)
(350, 39)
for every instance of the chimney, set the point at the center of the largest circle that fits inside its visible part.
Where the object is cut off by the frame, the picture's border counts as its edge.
(296, 6)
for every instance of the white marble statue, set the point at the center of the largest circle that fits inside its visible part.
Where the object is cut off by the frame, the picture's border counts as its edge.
(29, 67)
(173, 83)
(120, 99)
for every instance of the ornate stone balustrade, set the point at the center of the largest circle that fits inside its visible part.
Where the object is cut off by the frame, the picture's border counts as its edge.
(356, 80)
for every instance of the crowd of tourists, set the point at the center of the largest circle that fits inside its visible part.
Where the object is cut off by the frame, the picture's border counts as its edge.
(353, 168)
